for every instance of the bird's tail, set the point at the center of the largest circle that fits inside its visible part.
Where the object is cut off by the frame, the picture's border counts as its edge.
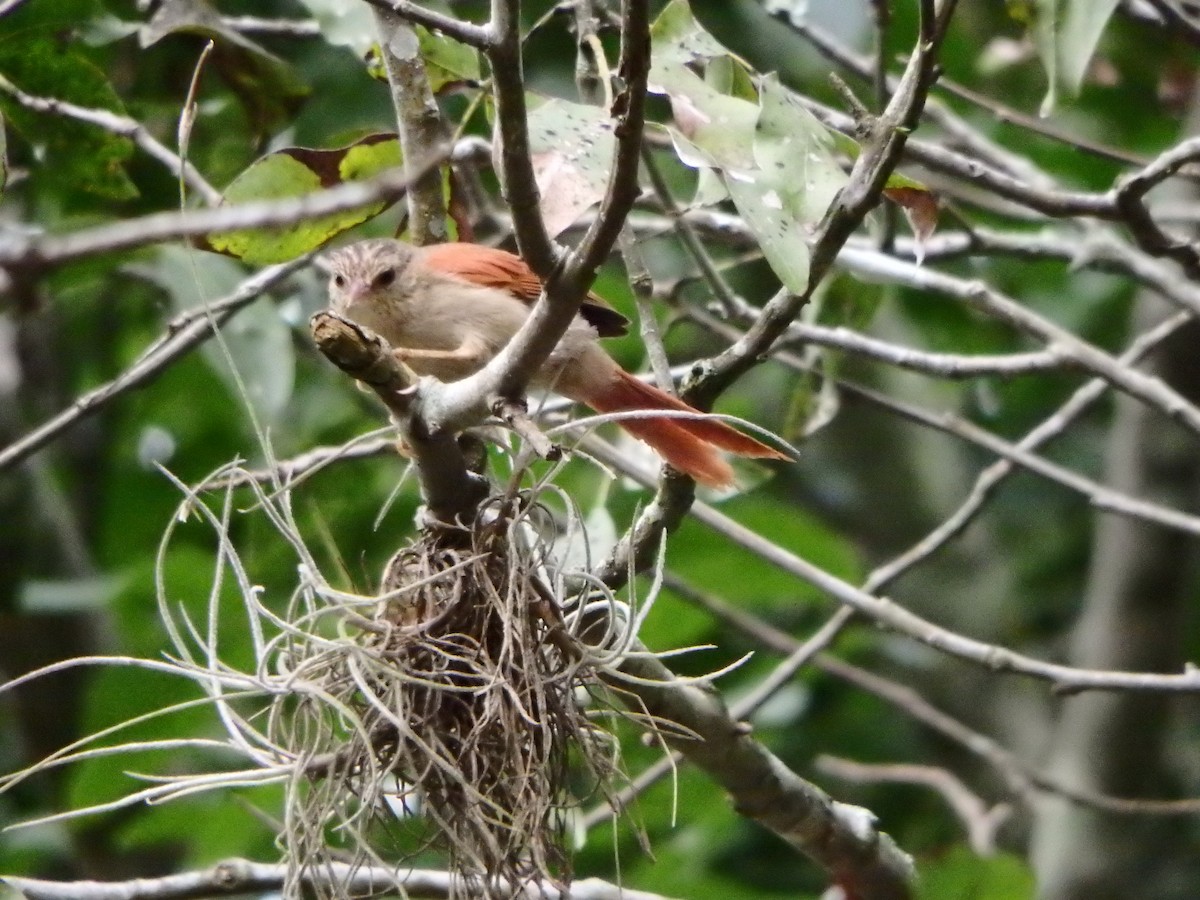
(690, 445)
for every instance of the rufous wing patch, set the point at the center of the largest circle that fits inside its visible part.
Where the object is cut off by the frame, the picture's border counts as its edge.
(496, 268)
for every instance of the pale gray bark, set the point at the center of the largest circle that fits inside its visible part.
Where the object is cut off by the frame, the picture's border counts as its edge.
(1140, 588)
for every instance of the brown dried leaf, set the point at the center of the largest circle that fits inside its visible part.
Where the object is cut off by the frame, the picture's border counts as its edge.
(921, 208)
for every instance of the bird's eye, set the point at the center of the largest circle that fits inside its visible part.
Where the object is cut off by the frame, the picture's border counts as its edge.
(384, 278)
(339, 281)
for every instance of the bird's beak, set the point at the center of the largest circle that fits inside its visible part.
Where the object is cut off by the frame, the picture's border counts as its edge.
(357, 291)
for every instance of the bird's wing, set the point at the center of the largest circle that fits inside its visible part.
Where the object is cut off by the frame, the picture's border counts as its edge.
(492, 267)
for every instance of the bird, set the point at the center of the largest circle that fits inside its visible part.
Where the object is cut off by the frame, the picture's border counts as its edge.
(447, 309)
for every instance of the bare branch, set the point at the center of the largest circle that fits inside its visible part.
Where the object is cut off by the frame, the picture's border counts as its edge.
(512, 131)
(629, 110)
(181, 336)
(1129, 197)
(36, 252)
(981, 821)
(843, 839)
(635, 550)
(515, 414)
(1098, 249)
(124, 126)
(879, 156)
(1023, 780)
(473, 35)
(595, 86)
(1100, 496)
(938, 365)
(10, 6)
(742, 710)
(954, 126)
(451, 491)
(990, 478)
(722, 293)
(419, 121)
(1152, 391)
(887, 613)
(642, 285)
(239, 876)
(1064, 679)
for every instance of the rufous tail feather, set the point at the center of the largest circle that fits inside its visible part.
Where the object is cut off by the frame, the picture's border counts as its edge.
(690, 445)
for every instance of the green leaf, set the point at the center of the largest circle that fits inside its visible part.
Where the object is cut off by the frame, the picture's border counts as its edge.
(572, 148)
(775, 160)
(346, 24)
(258, 341)
(782, 237)
(730, 76)
(777, 163)
(294, 172)
(447, 61)
(1066, 33)
(720, 125)
(796, 151)
(961, 875)
(104, 28)
(81, 156)
(678, 39)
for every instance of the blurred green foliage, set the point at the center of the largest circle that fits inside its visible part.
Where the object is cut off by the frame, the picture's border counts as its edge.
(863, 488)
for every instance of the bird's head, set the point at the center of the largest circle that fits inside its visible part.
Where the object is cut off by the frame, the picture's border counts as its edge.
(365, 273)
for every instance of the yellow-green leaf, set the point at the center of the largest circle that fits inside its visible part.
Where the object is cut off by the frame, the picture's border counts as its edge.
(294, 172)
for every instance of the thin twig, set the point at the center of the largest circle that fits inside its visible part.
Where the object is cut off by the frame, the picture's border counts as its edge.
(37, 252)
(938, 365)
(256, 25)
(1177, 22)
(512, 131)
(239, 876)
(114, 123)
(863, 189)
(980, 296)
(476, 36)
(516, 415)
(890, 615)
(1022, 779)
(980, 820)
(174, 343)
(722, 293)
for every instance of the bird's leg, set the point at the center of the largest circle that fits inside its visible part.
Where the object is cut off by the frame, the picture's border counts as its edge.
(470, 350)
(404, 354)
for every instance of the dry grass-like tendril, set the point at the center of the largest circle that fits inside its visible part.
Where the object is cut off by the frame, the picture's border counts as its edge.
(458, 698)
(443, 711)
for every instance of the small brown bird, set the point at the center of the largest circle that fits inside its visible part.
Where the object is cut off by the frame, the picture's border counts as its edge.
(447, 309)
